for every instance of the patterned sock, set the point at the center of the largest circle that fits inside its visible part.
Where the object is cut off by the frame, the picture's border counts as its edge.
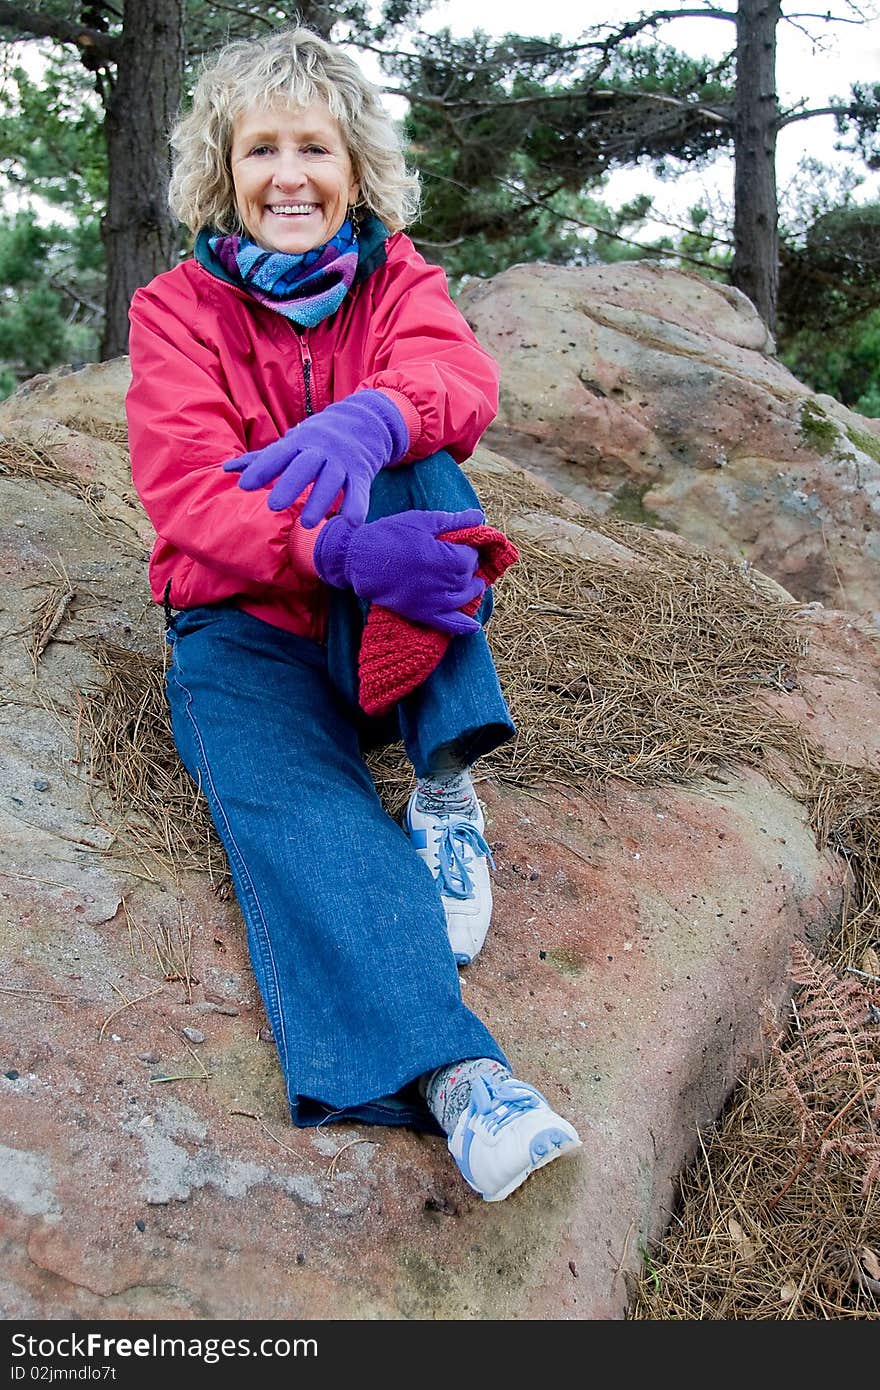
(446, 791)
(448, 1089)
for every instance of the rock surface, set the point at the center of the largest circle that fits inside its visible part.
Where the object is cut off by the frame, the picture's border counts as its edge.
(653, 393)
(636, 936)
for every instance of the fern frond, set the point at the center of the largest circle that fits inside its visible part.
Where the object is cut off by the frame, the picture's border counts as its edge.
(833, 1066)
(854, 1147)
(838, 1038)
(837, 1060)
(802, 1110)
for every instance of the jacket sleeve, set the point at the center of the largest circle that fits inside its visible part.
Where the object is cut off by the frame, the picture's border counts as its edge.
(424, 355)
(183, 426)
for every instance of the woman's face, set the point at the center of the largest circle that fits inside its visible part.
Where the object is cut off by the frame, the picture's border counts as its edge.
(292, 175)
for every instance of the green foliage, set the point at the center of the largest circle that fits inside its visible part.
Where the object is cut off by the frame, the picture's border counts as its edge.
(49, 305)
(570, 229)
(32, 330)
(844, 363)
(51, 136)
(829, 302)
(862, 122)
(834, 275)
(705, 243)
(209, 25)
(514, 137)
(23, 246)
(52, 156)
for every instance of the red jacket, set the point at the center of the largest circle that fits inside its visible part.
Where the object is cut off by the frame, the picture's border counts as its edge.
(215, 374)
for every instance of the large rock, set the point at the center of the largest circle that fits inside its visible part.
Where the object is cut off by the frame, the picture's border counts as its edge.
(654, 393)
(638, 930)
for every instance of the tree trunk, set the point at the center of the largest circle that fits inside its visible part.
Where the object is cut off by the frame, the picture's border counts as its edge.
(140, 235)
(755, 268)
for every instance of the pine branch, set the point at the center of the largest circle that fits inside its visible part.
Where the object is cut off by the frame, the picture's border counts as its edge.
(826, 15)
(538, 202)
(723, 115)
(79, 300)
(647, 21)
(249, 15)
(604, 45)
(34, 25)
(808, 115)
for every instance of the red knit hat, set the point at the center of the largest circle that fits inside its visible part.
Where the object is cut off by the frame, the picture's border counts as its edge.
(397, 655)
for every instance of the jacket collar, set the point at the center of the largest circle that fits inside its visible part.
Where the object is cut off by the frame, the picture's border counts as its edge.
(371, 251)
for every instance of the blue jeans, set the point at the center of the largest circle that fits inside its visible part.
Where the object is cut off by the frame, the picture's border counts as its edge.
(345, 924)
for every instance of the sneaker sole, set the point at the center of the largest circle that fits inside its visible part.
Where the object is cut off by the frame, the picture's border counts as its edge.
(559, 1149)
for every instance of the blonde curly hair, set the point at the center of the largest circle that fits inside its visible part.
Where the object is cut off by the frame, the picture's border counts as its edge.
(294, 67)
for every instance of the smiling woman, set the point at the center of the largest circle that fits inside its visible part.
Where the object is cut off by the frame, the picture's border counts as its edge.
(250, 79)
(303, 392)
(292, 175)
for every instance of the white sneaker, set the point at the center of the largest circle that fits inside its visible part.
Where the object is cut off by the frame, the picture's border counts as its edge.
(454, 850)
(506, 1132)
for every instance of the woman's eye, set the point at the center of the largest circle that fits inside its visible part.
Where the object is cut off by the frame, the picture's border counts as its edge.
(261, 149)
(315, 149)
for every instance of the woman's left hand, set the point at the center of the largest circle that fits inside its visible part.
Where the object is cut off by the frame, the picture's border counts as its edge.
(341, 449)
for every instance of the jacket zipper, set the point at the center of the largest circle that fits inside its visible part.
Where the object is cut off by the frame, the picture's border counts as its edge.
(306, 359)
(307, 370)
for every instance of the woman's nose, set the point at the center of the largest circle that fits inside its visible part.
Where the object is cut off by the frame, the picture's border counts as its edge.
(289, 171)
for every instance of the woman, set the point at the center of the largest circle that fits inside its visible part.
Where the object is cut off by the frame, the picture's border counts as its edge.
(307, 345)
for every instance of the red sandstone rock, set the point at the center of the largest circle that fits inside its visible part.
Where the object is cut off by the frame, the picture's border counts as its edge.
(653, 392)
(636, 937)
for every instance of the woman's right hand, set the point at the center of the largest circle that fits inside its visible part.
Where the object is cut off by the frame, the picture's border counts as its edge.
(399, 562)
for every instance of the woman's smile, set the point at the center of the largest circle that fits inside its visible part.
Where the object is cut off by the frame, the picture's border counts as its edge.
(292, 175)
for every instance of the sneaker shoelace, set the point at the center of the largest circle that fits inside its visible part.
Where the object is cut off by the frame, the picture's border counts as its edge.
(506, 1103)
(453, 841)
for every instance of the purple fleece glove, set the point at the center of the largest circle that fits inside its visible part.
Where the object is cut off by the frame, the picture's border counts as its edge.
(398, 562)
(342, 447)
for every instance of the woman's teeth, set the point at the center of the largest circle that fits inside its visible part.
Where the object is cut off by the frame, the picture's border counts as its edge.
(292, 209)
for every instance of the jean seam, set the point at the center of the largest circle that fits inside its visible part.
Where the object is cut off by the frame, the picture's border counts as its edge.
(259, 916)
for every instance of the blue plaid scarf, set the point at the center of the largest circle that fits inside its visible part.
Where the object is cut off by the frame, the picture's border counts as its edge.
(305, 288)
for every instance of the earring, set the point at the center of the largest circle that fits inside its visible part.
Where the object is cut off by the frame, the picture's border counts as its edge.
(354, 218)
